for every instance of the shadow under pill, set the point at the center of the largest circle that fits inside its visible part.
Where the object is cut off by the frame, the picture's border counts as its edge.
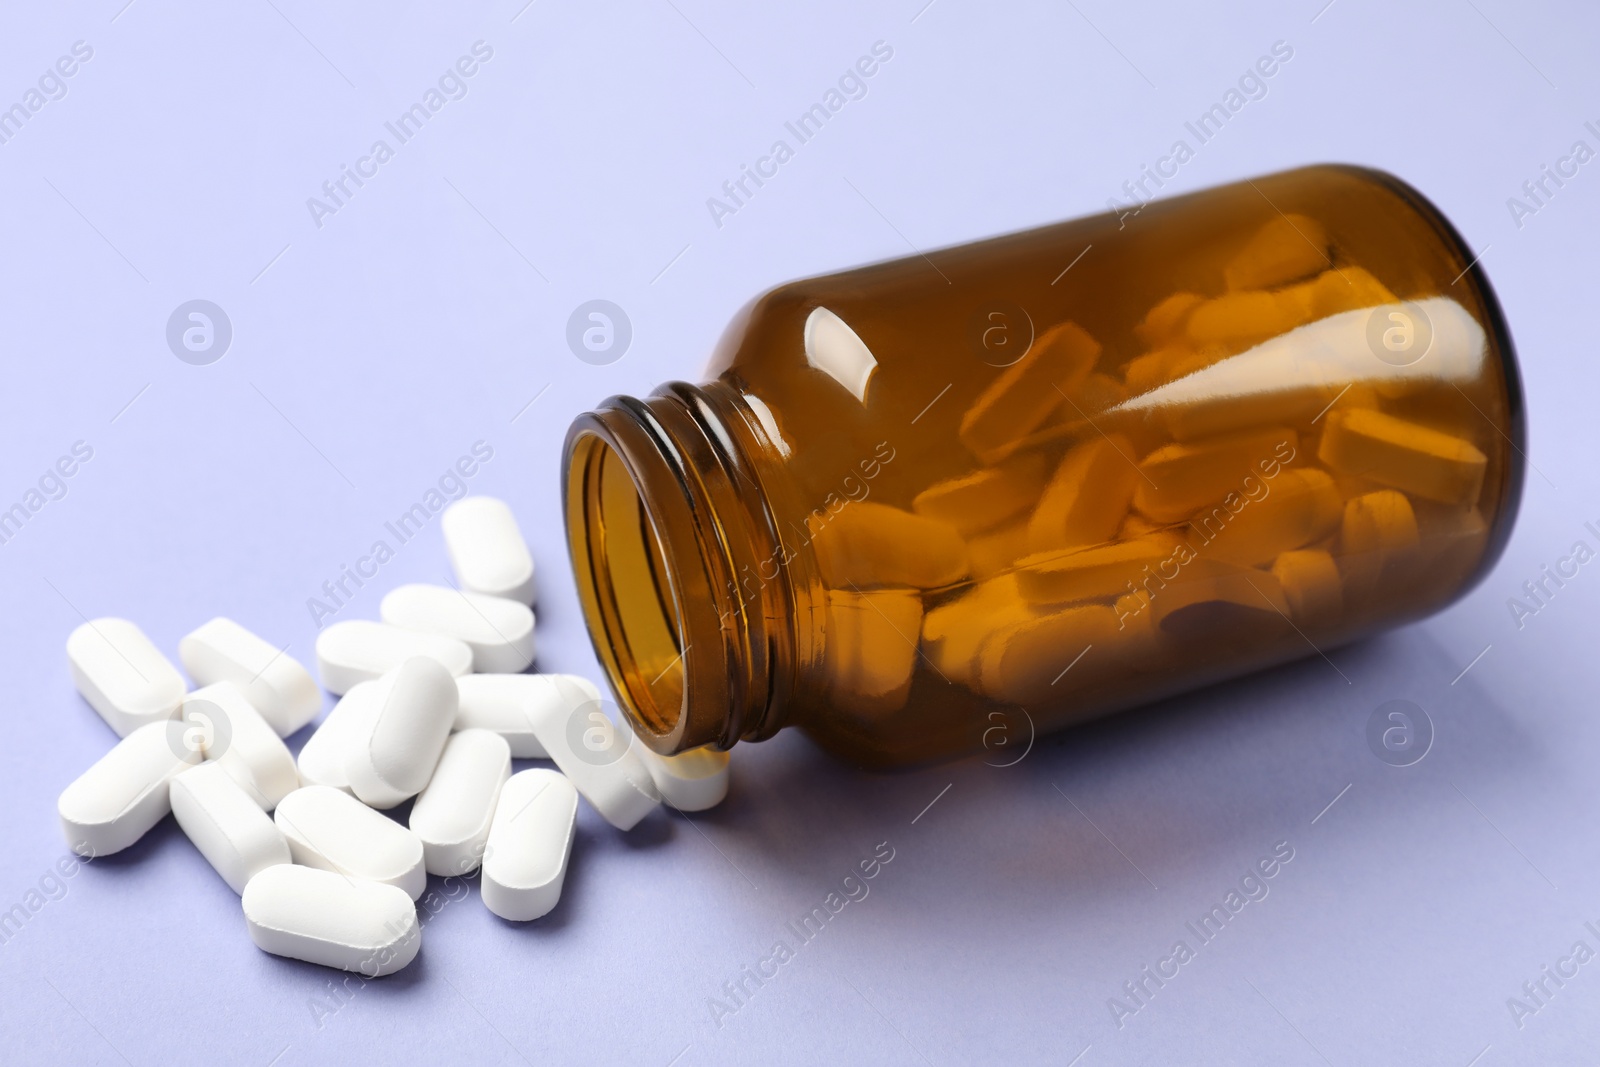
(155, 838)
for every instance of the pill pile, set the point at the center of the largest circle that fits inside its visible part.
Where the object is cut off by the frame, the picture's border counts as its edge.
(433, 708)
(1263, 460)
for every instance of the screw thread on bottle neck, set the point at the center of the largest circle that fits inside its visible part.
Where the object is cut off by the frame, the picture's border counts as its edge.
(684, 579)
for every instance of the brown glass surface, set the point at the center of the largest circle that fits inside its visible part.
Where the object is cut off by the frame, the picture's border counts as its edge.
(1059, 492)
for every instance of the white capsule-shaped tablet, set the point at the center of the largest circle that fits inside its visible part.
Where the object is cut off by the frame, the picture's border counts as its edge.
(486, 548)
(530, 841)
(451, 817)
(122, 674)
(320, 917)
(113, 803)
(336, 832)
(356, 651)
(499, 631)
(690, 781)
(396, 744)
(599, 757)
(507, 703)
(232, 733)
(321, 760)
(231, 831)
(274, 682)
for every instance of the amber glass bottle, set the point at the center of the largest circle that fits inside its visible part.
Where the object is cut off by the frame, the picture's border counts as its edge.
(1054, 474)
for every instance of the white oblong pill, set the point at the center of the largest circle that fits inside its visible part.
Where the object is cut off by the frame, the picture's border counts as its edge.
(690, 781)
(232, 733)
(452, 815)
(501, 703)
(231, 831)
(499, 631)
(530, 841)
(319, 917)
(396, 744)
(358, 650)
(322, 757)
(336, 832)
(122, 674)
(506, 703)
(486, 548)
(600, 757)
(111, 805)
(276, 683)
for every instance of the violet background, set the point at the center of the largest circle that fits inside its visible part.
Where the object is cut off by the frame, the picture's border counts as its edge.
(369, 353)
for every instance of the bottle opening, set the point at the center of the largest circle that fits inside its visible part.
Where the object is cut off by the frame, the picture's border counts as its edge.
(626, 585)
(667, 526)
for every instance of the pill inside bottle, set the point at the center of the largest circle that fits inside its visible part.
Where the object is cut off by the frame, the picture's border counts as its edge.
(916, 498)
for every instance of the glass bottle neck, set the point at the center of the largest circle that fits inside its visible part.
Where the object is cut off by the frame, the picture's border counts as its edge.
(685, 583)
